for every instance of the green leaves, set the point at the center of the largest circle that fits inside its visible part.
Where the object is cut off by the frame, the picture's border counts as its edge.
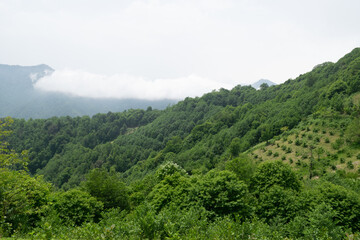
(75, 207)
(222, 193)
(273, 173)
(23, 200)
(107, 188)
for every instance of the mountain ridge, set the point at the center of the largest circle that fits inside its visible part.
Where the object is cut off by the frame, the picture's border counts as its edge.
(19, 98)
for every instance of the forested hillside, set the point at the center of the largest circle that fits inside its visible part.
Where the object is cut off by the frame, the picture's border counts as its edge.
(281, 161)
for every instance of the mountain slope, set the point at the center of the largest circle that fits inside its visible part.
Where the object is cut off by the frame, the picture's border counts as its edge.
(281, 162)
(199, 133)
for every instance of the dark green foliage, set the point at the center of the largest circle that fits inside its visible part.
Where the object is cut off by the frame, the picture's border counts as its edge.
(107, 188)
(222, 193)
(75, 207)
(337, 87)
(173, 189)
(271, 173)
(277, 202)
(235, 147)
(350, 165)
(353, 132)
(345, 203)
(242, 166)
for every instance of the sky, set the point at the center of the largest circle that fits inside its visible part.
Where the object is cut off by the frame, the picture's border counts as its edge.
(155, 49)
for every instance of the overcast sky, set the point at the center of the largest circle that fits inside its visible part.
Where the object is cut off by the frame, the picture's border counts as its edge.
(173, 48)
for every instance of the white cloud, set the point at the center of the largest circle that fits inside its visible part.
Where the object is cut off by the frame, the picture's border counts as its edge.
(236, 41)
(85, 84)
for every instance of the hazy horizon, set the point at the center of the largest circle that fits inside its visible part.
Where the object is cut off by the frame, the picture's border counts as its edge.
(153, 49)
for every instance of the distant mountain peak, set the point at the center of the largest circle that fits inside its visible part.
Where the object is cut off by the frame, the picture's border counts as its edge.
(40, 71)
(257, 84)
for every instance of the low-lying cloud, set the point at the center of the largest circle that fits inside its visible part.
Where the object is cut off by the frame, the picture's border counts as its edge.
(121, 86)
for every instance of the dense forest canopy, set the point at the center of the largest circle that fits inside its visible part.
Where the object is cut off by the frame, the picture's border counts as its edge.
(278, 162)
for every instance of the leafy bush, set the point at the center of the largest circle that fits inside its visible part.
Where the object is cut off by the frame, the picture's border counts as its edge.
(107, 188)
(350, 165)
(76, 207)
(274, 173)
(222, 193)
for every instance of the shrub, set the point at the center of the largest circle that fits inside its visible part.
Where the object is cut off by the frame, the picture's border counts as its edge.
(107, 188)
(350, 165)
(288, 150)
(274, 173)
(75, 207)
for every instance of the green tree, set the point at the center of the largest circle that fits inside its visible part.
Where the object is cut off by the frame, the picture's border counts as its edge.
(353, 132)
(76, 207)
(273, 173)
(173, 189)
(235, 147)
(107, 188)
(242, 166)
(277, 202)
(22, 198)
(221, 192)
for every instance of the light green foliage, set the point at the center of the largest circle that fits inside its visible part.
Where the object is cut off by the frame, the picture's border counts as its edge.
(8, 157)
(321, 223)
(23, 200)
(169, 168)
